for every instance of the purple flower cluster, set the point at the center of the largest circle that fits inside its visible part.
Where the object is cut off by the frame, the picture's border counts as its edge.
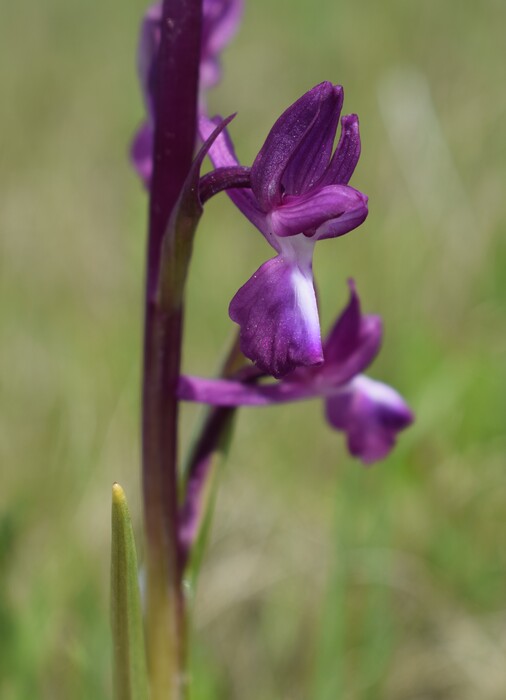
(368, 412)
(219, 23)
(296, 193)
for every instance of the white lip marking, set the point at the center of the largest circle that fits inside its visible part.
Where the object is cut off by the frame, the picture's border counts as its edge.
(298, 253)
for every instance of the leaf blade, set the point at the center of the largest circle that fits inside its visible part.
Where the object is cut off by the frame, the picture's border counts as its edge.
(130, 678)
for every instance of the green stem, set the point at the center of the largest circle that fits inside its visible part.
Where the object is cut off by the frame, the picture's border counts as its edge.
(164, 601)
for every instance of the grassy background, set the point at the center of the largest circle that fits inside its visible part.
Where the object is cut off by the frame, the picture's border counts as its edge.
(324, 580)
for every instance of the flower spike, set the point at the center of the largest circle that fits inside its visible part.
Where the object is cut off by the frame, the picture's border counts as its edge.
(299, 195)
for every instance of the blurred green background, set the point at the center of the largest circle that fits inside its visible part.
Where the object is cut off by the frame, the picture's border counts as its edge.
(323, 580)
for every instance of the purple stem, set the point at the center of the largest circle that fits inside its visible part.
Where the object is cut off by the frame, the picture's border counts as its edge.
(212, 442)
(221, 179)
(175, 88)
(209, 448)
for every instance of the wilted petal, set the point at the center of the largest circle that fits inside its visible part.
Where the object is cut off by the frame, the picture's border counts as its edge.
(371, 414)
(311, 158)
(345, 158)
(313, 210)
(281, 144)
(277, 312)
(141, 153)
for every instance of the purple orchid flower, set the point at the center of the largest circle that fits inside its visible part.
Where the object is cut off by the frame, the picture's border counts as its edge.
(369, 412)
(219, 23)
(299, 195)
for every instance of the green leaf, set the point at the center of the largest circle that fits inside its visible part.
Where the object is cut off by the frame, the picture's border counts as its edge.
(129, 673)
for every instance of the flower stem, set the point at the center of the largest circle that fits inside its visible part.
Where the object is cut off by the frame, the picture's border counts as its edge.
(164, 603)
(202, 470)
(175, 89)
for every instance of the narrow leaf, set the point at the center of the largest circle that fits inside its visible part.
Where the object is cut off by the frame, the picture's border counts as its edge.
(129, 673)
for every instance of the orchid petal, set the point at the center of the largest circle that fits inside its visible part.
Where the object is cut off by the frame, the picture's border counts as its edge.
(149, 43)
(353, 342)
(277, 312)
(345, 223)
(230, 393)
(209, 76)
(347, 153)
(310, 160)
(371, 414)
(313, 210)
(222, 155)
(141, 153)
(220, 21)
(282, 142)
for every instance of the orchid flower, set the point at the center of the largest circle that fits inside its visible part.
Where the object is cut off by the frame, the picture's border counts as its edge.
(299, 195)
(219, 24)
(369, 412)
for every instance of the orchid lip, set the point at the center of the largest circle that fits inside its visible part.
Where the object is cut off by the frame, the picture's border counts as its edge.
(313, 211)
(277, 311)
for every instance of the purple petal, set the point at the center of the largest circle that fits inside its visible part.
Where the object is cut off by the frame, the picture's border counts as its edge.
(189, 201)
(343, 338)
(277, 312)
(345, 223)
(149, 42)
(347, 153)
(282, 142)
(353, 342)
(226, 392)
(209, 76)
(222, 155)
(141, 153)
(220, 21)
(312, 157)
(371, 414)
(304, 213)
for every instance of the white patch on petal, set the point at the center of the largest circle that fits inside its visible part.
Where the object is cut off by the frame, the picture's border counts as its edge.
(377, 391)
(306, 301)
(297, 251)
